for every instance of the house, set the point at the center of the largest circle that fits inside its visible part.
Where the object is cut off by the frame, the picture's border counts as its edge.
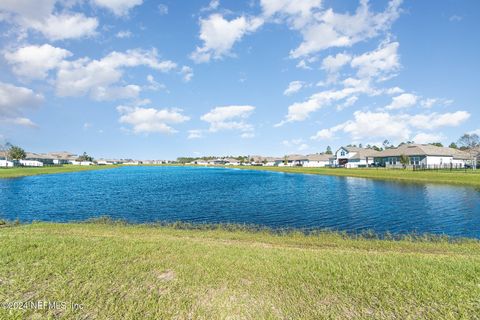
(231, 162)
(62, 157)
(423, 155)
(354, 157)
(293, 160)
(33, 159)
(263, 161)
(4, 162)
(318, 160)
(31, 163)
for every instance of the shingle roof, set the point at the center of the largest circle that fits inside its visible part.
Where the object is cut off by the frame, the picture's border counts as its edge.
(361, 153)
(423, 150)
(319, 157)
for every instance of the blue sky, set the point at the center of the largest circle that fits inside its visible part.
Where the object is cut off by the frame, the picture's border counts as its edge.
(160, 79)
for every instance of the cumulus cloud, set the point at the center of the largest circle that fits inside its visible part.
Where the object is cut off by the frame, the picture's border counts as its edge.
(378, 63)
(14, 101)
(294, 87)
(219, 35)
(405, 100)
(229, 118)
(333, 63)
(34, 62)
(424, 138)
(151, 120)
(327, 29)
(300, 111)
(399, 127)
(40, 16)
(118, 7)
(187, 73)
(97, 78)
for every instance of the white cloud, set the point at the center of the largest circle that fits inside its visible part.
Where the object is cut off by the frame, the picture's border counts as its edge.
(405, 100)
(123, 34)
(195, 134)
(154, 85)
(14, 101)
(150, 120)
(326, 29)
(332, 64)
(298, 144)
(97, 77)
(162, 9)
(324, 134)
(378, 63)
(435, 120)
(118, 7)
(383, 125)
(219, 35)
(455, 18)
(187, 73)
(294, 87)
(213, 5)
(229, 118)
(300, 111)
(394, 90)
(66, 26)
(34, 62)
(424, 138)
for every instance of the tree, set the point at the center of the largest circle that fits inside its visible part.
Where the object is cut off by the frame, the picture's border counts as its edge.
(404, 160)
(16, 153)
(453, 145)
(329, 150)
(469, 141)
(436, 144)
(85, 157)
(285, 160)
(386, 144)
(377, 148)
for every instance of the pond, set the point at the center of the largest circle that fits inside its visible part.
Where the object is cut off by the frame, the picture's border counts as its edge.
(278, 200)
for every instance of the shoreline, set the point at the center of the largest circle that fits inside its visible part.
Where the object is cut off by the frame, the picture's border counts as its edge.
(445, 177)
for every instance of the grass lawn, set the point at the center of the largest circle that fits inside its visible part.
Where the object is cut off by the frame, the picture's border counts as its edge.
(33, 171)
(459, 177)
(145, 272)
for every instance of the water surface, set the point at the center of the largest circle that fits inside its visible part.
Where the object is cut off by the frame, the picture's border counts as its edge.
(149, 194)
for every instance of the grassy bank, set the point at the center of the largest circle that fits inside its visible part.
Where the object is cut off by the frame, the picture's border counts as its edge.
(143, 272)
(469, 178)
(33, 171)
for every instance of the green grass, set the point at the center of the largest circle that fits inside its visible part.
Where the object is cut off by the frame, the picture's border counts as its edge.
(142, 272)
(33, 171)
(459, 177)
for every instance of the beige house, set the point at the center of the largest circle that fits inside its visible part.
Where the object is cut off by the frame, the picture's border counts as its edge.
(423, 155)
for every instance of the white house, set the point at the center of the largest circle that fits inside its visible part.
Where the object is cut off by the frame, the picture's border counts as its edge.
(318, 160)
(423, 155)
(293, 160)
(31, 163)
(6, 164)
(353, 157)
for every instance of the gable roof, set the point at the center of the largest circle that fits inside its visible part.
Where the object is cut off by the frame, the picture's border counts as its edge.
(423, 150)
(361, 153)
(319, 157)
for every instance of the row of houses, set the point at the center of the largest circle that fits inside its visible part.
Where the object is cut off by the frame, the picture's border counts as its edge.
(418, 155)
(64, 157)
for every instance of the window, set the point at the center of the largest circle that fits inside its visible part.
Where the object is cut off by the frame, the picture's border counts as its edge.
(342, 153)
(414, 161)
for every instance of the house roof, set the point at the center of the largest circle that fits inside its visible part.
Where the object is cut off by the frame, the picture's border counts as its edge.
(319, 157)
(423, 150)
(361, 153)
